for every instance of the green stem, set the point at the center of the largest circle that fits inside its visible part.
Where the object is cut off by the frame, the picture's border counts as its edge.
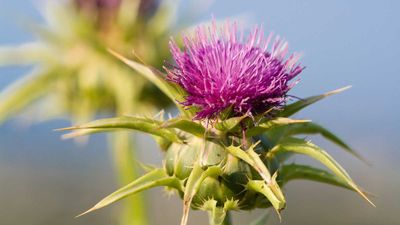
(216, 214)
(134, 207)
(227, 220)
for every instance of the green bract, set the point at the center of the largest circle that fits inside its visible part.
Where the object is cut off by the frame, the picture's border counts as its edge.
(236, 163)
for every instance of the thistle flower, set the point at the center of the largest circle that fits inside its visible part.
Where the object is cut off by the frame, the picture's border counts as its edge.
(227, 167)
(219, 70)
(216, 169)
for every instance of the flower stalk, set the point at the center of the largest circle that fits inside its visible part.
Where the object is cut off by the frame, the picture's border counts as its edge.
(122, 146)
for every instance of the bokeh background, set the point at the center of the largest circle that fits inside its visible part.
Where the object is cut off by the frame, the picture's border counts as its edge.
(44, 180)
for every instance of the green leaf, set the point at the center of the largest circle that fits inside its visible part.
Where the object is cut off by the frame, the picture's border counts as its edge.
(174, 92)
(193, 183)
(186, 125)
(229, 124)
(294, 171)
(25, 91)
(84, 132)
(219, 215)
(260, 187)
(25, 54)
(269, 188)
(141, 124)
(216, 214)
(300, 146)
(293, 108)
(313, 128)
(271, 123)
(152, 179)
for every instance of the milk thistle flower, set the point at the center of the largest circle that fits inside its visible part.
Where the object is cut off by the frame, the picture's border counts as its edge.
(235, 164)
(219, 69)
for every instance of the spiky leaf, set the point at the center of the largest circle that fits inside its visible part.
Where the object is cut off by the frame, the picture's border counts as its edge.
(270, 188)
(193, 183)
(155, 178)
(229, 124)
(216, 214)
(303, 172)
(260, 187)
(300, 146)
(174, 92)
(311, 128)
(24, 54)
(186, 125)
(271, 123)
(293, 108)
(25, 91)
(146, 125)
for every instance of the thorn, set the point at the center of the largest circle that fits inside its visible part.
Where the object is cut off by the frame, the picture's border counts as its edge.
(86, 212)
(114, 53)
(363, 194)
(69, 136)
(66, 128)
(278, 212)
(338, 90)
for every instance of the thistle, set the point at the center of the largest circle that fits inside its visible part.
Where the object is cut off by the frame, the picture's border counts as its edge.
(219, 70)
(228, 149)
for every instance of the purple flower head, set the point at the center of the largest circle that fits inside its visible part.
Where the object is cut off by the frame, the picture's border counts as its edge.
(219, 70)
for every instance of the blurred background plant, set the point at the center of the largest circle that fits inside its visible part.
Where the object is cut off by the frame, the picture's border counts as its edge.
(74, 77)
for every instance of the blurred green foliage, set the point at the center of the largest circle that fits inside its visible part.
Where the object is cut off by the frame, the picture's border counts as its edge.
(75, 77)
(73, 73)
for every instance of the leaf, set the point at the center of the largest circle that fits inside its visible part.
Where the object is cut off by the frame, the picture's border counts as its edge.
(84, 132)
(293, 108)
(262, 220)
(219, 215)
(216, 214)
(152, 179)
(193, 183)
(270, 188)
(25, 91)
(271, 123)
(24, 54)
(186, 125)
(229, 124)
(141, 124)
(260, 187)
(300, 146)
(313, 128)
(294, 171)
(174, 92)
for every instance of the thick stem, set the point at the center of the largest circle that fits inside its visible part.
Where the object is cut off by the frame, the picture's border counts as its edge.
(134, 207)
(227, 220)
